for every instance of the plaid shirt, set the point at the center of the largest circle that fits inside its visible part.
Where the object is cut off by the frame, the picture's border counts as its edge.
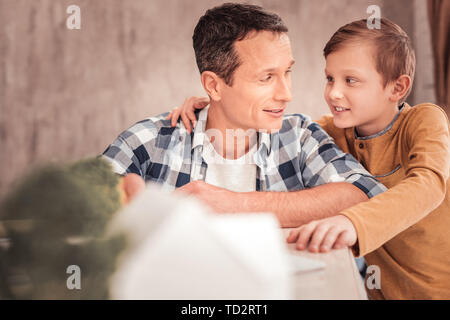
(301, 155)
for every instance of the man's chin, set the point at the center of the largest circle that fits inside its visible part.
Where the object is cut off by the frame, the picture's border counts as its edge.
(272, 126)
(273, 130)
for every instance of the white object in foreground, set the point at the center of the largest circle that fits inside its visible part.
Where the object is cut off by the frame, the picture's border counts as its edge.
(178, 250)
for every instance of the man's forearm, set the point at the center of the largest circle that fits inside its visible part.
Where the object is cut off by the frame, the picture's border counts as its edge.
(298, 207)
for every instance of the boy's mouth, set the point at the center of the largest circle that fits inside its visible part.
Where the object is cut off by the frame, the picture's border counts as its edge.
(339, 109)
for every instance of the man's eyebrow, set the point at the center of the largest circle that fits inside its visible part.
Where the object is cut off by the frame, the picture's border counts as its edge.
(275, 69)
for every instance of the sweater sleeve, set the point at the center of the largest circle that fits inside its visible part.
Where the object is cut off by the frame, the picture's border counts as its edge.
(326, 122)
(427, 153)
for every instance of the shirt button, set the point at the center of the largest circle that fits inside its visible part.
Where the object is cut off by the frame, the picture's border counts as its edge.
(361, 146)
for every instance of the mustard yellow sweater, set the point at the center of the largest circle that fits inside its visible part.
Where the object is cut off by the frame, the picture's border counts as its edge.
(406, 230)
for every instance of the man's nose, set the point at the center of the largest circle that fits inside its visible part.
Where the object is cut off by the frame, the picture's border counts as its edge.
(283, 91)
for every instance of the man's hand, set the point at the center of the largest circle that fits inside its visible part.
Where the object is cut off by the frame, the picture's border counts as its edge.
(218, 199)
(292, 209)
(335, 232)
(130, 186)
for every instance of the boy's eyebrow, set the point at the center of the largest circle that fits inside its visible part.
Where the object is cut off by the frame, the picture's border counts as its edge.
(350, 70)
(345, 71)
(275, 69)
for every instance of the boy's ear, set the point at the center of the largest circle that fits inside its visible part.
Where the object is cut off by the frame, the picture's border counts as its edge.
(400, 87)
(213, 85)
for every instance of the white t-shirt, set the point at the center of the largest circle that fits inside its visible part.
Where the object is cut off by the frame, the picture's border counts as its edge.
(237, 175)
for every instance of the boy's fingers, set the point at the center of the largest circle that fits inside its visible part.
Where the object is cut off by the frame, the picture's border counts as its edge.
(175, 117)
(186, 122)
(172, 114)
(169, 116)
(293, 235)
(343, 240)
(305, 234)
(329, 239)
(317, 237)
(191, 115)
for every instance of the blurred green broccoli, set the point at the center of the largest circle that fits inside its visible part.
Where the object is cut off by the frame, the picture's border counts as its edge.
(56, 217)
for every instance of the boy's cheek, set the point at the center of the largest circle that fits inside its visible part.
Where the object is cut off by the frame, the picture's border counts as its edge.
(326, 96)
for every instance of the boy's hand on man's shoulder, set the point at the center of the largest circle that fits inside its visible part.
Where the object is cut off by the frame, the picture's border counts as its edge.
(186, 112)
(323, 235)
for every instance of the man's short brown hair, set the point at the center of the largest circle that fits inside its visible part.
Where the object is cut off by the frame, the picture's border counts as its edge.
(394, 54)
(218, 30)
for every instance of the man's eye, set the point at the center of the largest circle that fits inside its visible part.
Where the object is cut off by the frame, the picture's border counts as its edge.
(350, 80)
(267, 78)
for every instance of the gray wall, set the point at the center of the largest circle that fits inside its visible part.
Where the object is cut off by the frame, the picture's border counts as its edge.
(66, 94)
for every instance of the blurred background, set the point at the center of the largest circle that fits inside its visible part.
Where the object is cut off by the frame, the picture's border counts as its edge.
(66, 94)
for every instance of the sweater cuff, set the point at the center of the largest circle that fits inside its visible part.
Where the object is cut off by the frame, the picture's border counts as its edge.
(359, 247)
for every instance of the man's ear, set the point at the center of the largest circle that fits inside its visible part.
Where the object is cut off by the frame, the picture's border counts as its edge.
(213, 85)
(400, 87)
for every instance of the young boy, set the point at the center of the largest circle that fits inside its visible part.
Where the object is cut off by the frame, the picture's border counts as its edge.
(404, 231)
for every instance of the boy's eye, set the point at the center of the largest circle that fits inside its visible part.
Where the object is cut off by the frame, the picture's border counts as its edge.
(330, 79)
(350, 80)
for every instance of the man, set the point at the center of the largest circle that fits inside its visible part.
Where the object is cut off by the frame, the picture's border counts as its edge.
(243, 142)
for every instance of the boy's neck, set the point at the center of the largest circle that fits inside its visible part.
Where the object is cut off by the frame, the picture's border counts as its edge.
(379, 124)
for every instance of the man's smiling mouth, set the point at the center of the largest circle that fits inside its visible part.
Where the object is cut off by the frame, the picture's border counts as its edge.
(274, 111)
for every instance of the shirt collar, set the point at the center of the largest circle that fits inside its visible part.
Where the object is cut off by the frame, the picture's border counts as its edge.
(264, 141)
(264, 138)
(200, 128)
(389, 126)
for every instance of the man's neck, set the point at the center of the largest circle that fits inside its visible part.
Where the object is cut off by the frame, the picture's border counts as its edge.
(228, 139)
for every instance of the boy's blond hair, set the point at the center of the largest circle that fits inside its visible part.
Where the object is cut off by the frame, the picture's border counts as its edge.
(394, 54)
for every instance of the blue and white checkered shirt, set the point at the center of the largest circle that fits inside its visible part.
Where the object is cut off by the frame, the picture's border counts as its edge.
(301, 155)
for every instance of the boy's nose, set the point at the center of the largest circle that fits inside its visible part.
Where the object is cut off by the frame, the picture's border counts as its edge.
(335, 93)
